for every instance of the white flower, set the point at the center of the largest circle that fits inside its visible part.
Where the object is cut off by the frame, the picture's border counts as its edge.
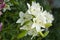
(27, 27)
(34, 9)
(7, 7)
(38, 23)
(49, 17)
(23, 18)
(33, 33)
(41, 17)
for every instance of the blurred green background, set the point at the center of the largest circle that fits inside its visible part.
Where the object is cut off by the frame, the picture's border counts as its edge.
(10, 30)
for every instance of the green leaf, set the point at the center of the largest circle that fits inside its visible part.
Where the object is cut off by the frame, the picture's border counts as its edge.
(47, 25)
(45, 34)
(14, 2)
(22, 34)
(41, 34)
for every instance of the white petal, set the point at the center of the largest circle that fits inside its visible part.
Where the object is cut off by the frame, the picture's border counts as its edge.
(22, 28)
(21, 14)
(19, 20)
(49, 17)
(28, 5)
(34, 19)
(29, 12)
(33, 25)
(33, 3)
(38, 29)
(42, 29)
(22, 22)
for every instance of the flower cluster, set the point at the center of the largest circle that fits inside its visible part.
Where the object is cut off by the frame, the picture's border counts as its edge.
(35, 20)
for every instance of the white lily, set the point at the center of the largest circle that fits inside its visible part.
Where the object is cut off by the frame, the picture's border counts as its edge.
(34, 9)
(23, 18)
(49, 17)
(37, 23)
